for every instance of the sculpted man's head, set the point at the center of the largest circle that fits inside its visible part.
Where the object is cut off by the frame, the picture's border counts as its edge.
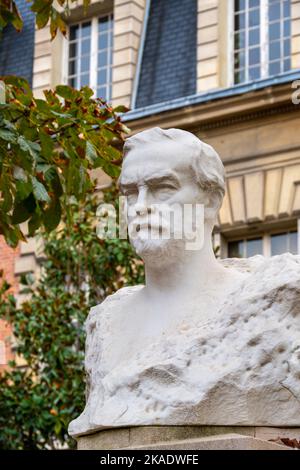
(172, 168)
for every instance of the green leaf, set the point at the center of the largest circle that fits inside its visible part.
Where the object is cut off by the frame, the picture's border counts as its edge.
(39, 5)
(8, 135)
(57, 427)
(20, 213)
(65, 92)
(32, 148)
(52, 178)
(61, 115)
(20, 84)
(17, 22)
(42, 17)
(23, 189)
(42, 107)
(33, 224)
(87, 92)
(39, 190)
(121, 109)
(91, 152)
(52, 215)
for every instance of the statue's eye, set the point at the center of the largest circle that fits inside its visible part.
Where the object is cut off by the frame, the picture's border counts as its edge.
(165, 187)
(130, 191)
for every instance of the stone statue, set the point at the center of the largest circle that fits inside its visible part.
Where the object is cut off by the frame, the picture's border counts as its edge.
(205, 341)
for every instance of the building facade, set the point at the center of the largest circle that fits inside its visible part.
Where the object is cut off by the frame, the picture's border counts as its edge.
(226, 70)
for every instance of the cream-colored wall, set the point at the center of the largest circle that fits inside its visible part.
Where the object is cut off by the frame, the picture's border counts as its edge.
(128, 25)
(208, 45)
(259, 196)
(42, 63)
(295, 34)
(262, 162)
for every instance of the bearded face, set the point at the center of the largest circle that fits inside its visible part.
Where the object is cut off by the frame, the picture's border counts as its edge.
(161, 198)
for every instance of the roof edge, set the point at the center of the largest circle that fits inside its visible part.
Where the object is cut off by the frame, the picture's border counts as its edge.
(199, 98)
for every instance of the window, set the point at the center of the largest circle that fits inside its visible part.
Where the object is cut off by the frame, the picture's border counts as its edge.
(267, 245)
(245, 248)
(262, 39)
(90, 49)
(284, 242)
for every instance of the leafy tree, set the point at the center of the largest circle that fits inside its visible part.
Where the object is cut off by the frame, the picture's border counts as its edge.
(38, 400)
(45, 11)
(47, 151)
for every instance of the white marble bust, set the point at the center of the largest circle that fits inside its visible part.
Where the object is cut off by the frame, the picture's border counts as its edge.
(205, 341)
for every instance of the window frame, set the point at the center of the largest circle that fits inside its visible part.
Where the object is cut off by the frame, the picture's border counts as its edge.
(264, 44)
(266, 239)
(94, 66)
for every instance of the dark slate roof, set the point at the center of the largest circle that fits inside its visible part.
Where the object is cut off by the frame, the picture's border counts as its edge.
(16, 49)
(168, 68)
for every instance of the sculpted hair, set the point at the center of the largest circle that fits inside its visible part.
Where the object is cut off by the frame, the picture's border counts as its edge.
(205, 162)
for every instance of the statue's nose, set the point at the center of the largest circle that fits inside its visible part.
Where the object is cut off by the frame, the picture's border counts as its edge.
(141, 206)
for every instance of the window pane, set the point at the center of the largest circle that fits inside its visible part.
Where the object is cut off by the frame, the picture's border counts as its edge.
(239, 21)
(287, 8)
(254, 247)
(274, 11)
(102, 77)
(287, 28)
(254, 56)
(254, 37)
(274, 31)
(293, 243)
(274, 50)
(254, 73)
(103, 24)
(84, 80)
(287, 48)
(254, 3)
(74, 32)
(287, 65)
(103, 41)
(239, 5)
(72, 82)
(239, 40)
(254, 17)
(239, 76)
(85, 64)
(239, 59)
(274, 68)
(102, 59)
(86, 29)
(236, 249)
(72, 67)
(279, 244)
(85, 46)
(73, 49)
(101, 92)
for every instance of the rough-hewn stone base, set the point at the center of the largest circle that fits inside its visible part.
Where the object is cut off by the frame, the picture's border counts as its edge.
(187, 437)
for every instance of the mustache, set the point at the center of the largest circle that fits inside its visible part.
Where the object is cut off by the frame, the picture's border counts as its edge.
(153, 223)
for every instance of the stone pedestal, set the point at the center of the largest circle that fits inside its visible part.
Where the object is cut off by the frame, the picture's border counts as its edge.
(188, 438)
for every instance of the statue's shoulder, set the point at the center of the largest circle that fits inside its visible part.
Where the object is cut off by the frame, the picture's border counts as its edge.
(110, 304)
(287, 265)
(276, 278)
